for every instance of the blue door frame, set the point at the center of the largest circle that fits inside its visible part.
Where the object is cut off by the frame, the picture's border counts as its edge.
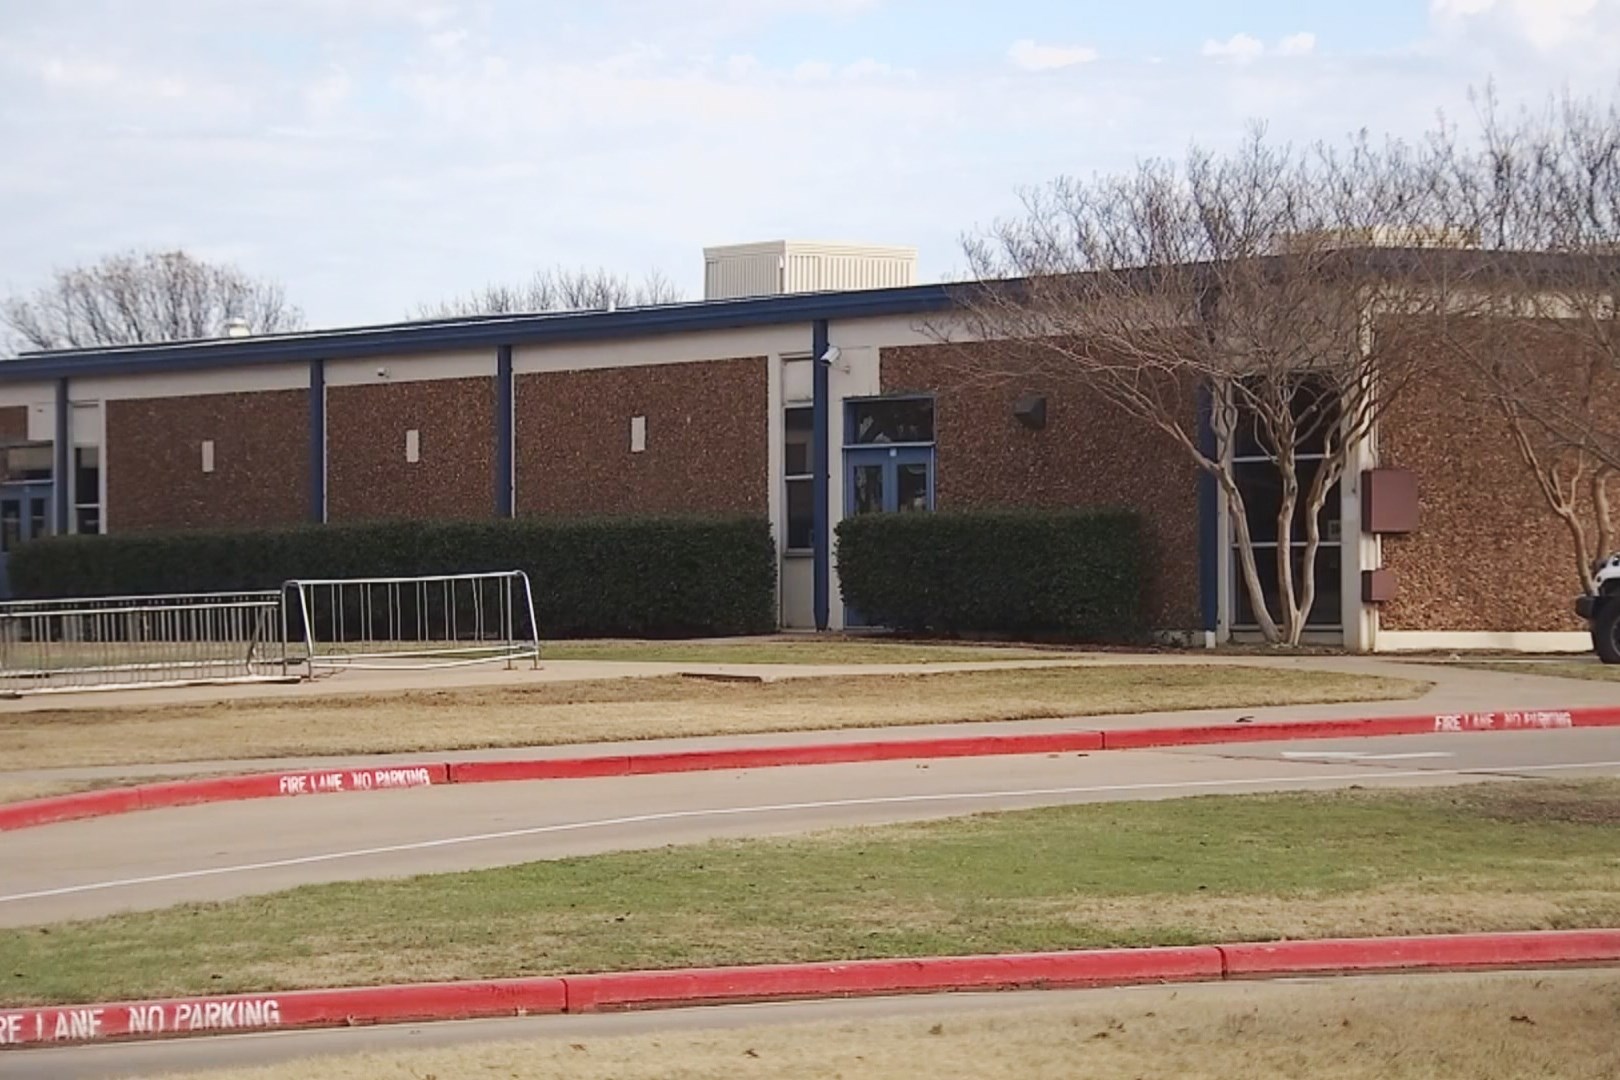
(25, 514)
(881, 479)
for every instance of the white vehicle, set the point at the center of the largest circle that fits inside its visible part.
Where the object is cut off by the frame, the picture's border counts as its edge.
(1602, 610)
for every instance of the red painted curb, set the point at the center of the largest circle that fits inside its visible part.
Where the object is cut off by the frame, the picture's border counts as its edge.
(1371, 727)
(1395, 954)
(651, 989)
(1107, 967)
(218, 789)
(275, 1012)
(490, 772)
(884, 750)
(270, 785)
(478, 772)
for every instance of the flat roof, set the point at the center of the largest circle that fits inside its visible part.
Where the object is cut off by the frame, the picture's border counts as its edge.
(478, 331)
(1528, 269)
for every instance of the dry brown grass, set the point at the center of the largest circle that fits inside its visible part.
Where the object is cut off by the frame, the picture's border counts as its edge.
(623, 709)
(1500, 1027)
(1561, 669)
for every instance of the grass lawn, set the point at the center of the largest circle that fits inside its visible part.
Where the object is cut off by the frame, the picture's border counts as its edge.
(1495, 856)
(615, 709)
(787, 651)
(1562, 669)
(1498, 1027)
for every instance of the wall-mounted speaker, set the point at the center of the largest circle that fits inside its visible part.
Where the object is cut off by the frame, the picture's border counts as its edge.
(1030, 409)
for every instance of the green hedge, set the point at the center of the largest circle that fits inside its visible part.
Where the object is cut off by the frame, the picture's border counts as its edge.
(639, 577)
(1069, 574)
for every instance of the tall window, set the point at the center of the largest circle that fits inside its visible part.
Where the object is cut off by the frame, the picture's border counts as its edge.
(798, 423)
(85, 478)
(1254, 468)
(87, 489)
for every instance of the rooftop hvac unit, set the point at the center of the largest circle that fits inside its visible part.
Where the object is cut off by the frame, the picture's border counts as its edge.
(790, 266)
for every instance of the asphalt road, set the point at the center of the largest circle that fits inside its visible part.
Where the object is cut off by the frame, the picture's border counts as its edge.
(157, 858)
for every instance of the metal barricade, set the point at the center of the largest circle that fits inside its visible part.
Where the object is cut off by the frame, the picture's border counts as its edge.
(413, 622)
(113, 642)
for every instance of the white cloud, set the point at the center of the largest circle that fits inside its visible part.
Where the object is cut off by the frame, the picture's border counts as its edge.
(1239, 48)
(327, 92)
(372, 163)
(73, 74)
(1545, 25)
(1033, 56)
(1301, 44)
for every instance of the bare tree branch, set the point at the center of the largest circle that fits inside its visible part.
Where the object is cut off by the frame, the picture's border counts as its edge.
(557, 289)
(133, 298)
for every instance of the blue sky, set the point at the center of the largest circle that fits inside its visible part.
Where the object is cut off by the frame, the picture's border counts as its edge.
(376, 154)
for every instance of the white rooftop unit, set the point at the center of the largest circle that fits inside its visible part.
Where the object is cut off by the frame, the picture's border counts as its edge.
(796, 266)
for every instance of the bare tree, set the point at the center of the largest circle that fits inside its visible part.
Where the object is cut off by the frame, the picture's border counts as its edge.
(1542, 190)
(558, 289)
(133, 298)
(1262, 282)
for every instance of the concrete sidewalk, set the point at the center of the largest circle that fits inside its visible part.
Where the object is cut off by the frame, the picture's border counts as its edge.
(363, 682)
(1454, 690)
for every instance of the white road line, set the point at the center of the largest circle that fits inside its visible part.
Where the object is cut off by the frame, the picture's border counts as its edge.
(777, 808)
(1358, 755)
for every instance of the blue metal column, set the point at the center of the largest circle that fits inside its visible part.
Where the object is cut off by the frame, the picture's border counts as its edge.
(504, 497)
(317, 441)
(62, 461)
(821, 539)
(1209, 517)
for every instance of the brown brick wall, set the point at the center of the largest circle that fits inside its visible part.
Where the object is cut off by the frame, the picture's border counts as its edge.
(1489, 554)
(261, 461)
(367, 476)
(13, 424)
(1088, 455)
(707, 439)
(13, 428)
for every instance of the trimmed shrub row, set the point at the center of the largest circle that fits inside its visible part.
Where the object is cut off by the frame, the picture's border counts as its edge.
(620, 577)
(1070, 574)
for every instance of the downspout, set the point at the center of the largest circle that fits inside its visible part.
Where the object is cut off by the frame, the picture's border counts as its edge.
(1209, 523)
(317, 441)
(821, 538)
(62, 460)
(504, 497)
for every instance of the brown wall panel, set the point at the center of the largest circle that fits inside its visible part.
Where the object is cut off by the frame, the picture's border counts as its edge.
(1489, 555)
(707, 439)
(13, 424)
(13, 428)
(1088, 455)
(367, 476)
(261, 461)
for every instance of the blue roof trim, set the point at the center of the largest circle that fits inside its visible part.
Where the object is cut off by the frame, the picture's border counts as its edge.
(479, 332)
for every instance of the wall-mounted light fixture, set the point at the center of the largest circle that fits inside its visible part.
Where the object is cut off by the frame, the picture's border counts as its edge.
(832, 358)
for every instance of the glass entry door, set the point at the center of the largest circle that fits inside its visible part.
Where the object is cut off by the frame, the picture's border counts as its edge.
(25, 514)
(886, 480)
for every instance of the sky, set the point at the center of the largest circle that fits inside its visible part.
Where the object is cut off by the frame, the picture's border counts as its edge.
(373, 155)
